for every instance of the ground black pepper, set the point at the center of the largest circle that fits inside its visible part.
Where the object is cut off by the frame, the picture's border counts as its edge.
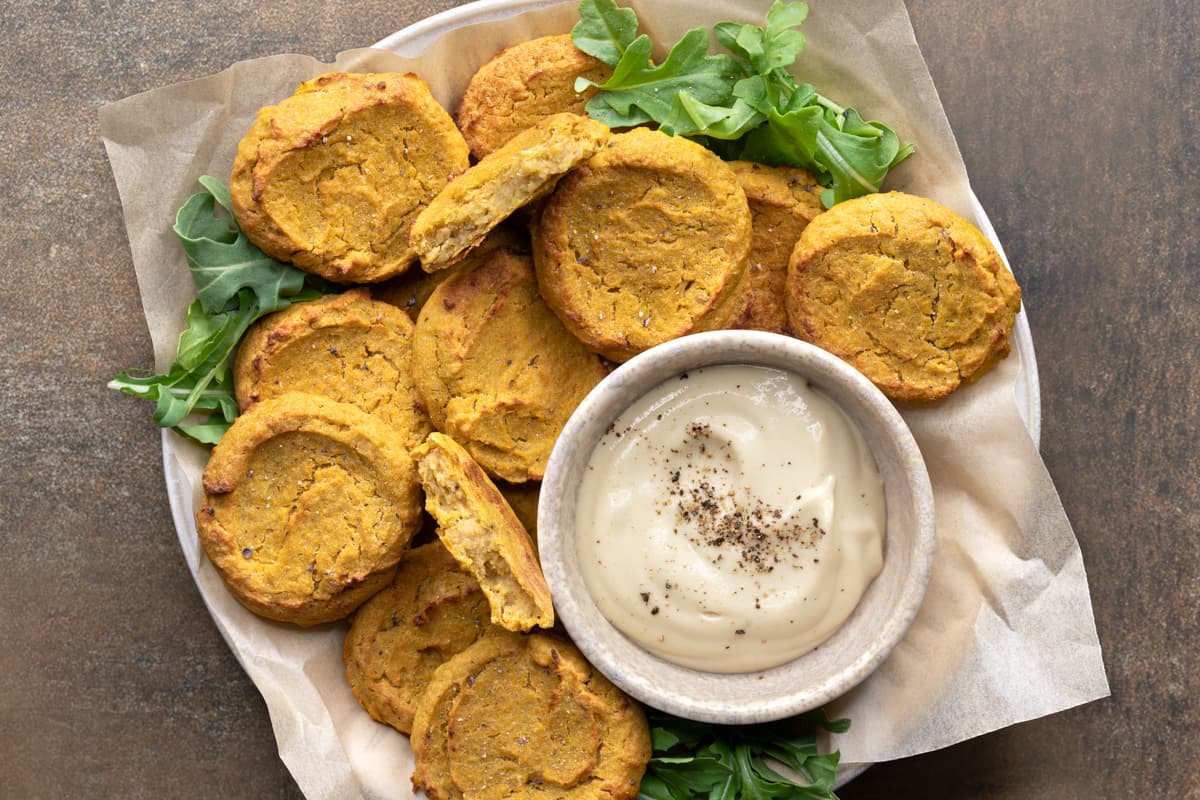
(733, 505)
(723, 519)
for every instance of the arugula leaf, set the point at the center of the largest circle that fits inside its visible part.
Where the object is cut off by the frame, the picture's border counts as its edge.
(696, 761)
(855, 155)
(638, 91)
(743, 104)
(604, 30)
(774, 47)
(236, 284)
(223, 261)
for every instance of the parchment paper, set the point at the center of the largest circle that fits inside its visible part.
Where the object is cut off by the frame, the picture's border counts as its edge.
(1006, 632)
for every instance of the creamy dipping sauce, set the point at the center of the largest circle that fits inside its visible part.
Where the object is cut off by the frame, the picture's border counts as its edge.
(730, 519)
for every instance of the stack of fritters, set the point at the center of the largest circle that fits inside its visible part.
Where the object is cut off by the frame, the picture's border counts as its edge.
(432, 611)
(314, 495)
(563, 248)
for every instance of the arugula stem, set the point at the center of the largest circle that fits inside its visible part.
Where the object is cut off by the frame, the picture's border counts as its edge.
(192, 397)
(219, 369)
(825, 102)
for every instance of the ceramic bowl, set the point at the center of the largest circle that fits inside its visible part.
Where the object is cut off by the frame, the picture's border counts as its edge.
(863, 641)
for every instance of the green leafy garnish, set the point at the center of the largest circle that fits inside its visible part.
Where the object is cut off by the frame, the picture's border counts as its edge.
(699, 761)
(640, 92)
(236, 283)
(743, 104)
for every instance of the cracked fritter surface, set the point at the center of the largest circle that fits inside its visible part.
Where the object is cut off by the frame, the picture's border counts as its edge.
(525, 169)
(527, 717)
(522, 84)
(347, 347)
(480, 529)
(783, 200)
(645, 242)
(431, 611)
(495, 368)
(332, 177)
(309, 505)
(905, 290)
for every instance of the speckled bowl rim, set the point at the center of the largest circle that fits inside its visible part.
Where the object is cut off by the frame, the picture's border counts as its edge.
(863, 642)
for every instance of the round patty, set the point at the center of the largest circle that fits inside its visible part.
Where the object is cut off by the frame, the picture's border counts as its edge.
(905, 290)
(644, 242)
(783, 200)
(347, 347)
(527, 717)
(331, 178)
(522, 84)
(496, 370)
(308, 506)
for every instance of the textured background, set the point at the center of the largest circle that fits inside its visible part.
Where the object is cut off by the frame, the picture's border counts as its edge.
(1077, 125)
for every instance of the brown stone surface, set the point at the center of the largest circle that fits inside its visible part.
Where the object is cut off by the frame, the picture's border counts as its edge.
(1078, 125)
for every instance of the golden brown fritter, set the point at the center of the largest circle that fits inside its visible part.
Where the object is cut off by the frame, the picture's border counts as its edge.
(783, 200)
(525, 169)
(905, 290)
(645, 242)
(480, 530)
(347, 347)
(527, 717)
(309, 505)
(332, 177)
(430, 612)
(522, 84)
(495, 368)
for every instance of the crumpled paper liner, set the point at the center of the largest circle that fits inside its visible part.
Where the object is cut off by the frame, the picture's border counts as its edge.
(1006, 631)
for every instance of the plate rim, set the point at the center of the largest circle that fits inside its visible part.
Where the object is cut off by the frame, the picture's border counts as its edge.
(411, 40)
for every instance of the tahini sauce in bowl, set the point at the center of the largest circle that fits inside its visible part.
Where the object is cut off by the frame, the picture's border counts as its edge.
(698, 678)
(730, 519)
